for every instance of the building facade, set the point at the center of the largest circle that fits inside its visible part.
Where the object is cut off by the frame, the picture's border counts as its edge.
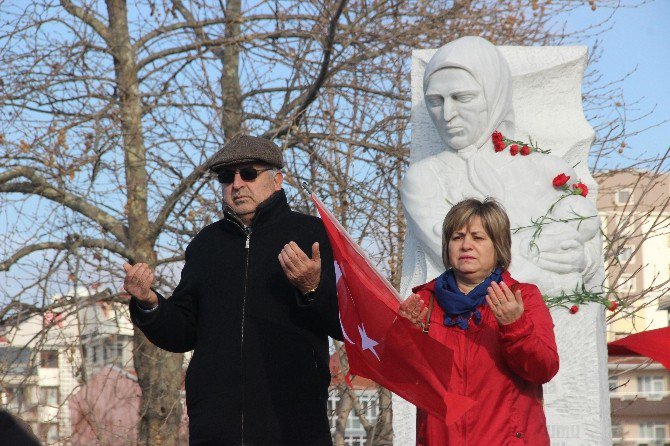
(46, 358)
(634, 209)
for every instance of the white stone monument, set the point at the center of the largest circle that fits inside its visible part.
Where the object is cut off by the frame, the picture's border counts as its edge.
(451, 162)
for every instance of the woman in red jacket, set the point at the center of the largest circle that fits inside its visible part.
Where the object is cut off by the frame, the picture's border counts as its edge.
(500, 330)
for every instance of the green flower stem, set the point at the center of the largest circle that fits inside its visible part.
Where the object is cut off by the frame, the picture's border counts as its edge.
(582, 296)
(530, 144)
(546, 219)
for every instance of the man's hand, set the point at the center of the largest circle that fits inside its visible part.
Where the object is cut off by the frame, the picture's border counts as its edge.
(303, 273)
(413, 309)
(138, 282)
(507, 307)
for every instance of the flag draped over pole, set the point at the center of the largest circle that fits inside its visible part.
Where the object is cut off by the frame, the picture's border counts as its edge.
(654, 344)
(381, 345)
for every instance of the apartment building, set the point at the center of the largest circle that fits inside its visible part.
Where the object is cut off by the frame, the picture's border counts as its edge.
(46, 358)
(634, 209)
(366, 393)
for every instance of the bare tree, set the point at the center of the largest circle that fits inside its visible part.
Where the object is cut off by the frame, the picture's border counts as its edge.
(635, 205)
(109, 112)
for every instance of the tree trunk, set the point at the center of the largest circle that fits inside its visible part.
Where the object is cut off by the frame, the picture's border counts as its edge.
(159, 372)
(231, 95)
(342, 410)
(384, 425)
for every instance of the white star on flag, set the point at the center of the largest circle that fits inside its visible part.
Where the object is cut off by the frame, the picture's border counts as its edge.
(367, 343)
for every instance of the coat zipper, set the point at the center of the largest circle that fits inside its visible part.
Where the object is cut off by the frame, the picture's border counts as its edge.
(465, 372)
(247, 232)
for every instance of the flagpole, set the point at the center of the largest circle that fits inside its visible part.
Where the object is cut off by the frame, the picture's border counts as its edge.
(305, 186)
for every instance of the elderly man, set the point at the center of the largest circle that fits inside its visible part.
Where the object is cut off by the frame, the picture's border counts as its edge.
(255, 309)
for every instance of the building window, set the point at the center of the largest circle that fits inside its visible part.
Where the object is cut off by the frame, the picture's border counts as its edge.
(651, 387)
(49, 359)
(370, 408)
(652, 433)
(16, 399)
(333, 398)
(354, 431)
(623, 196)
(617, 431)
(119, 354)
(355, 440)
(626, 227)
(17, 360)
(627, 284)
(625, 254)
(49, 396)
(613, 383)
(49, 433)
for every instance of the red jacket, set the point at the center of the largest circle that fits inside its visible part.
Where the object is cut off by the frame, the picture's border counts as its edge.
(502, 368)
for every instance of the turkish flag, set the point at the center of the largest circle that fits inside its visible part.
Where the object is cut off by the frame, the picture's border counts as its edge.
(654, 344)
(381, 345)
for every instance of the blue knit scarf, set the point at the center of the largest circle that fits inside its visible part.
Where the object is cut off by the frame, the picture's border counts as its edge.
(459, 307)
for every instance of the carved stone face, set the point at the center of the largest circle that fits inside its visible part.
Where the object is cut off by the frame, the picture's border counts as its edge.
(457, 106)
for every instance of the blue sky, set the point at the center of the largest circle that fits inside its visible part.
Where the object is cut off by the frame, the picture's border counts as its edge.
(639, 37)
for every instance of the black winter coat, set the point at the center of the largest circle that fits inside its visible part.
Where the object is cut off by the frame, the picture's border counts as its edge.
(259, 373)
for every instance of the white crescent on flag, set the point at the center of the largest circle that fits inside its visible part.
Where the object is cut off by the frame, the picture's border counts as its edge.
(344, 333)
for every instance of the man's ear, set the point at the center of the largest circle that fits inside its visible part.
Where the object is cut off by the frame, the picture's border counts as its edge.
(278, 179)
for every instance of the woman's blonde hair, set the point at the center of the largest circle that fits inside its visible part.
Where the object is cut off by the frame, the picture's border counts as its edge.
(494, 220)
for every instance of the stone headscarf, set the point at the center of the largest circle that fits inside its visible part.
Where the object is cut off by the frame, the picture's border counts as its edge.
(486, 64)
(483, 61)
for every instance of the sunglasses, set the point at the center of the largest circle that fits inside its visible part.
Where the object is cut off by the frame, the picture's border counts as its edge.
(227, 176)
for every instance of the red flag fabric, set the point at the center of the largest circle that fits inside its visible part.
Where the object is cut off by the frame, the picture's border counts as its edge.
(381, 345)
(654, 344)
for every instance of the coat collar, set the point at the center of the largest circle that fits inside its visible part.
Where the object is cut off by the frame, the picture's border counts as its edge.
(267, 212)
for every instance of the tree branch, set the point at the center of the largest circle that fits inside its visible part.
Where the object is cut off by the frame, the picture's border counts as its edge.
(23, 309)
(302, 102)
(171, 201)
(70, 243)
(37, 185)
(87, 18)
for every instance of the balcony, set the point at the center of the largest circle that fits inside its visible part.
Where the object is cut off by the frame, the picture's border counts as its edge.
(640, 441)
(640, 404)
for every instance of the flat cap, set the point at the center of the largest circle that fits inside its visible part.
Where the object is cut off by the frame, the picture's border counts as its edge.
(246, 149)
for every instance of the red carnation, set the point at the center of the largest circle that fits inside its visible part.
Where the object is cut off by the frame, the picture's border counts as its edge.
(560, 180)
(498, 141)
(525, 150)
(514, 149)
(574, 309)
(581, 189)
(612, 305)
